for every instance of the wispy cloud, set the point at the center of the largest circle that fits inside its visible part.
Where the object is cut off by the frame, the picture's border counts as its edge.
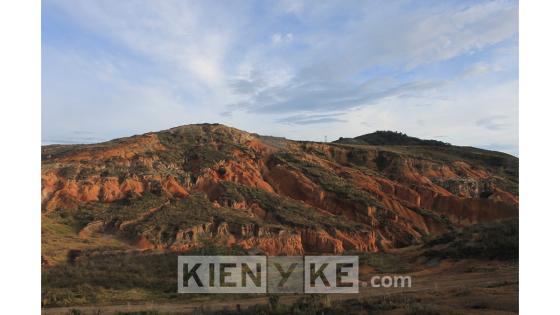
(497, 122)
(331, 76)
(311, 119)
(118, 67)
(280, 38)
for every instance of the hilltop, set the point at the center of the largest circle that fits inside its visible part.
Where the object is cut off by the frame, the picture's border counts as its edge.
(390, 138)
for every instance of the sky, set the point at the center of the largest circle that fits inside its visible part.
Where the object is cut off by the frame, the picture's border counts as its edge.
(304, 70)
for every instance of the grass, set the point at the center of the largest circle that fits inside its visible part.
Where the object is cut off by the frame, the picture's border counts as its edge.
(385, 262)
(58, 239)
(287, 211)
(103, 277)
(327, 179)
(179, 215)
(322, 304)
(161, 226)
(422, 309)
(116, 212)
(497, 240)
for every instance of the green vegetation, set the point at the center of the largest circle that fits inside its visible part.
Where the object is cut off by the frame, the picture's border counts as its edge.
(58, 239)
(195, 147)
(322, 304)
(327, 179)
(390, 138)
(504, 167)
(287, 211)
(168, 217)
(162, 225)
(68, 172)
(110, 213)
(109, 278)
(421, 309)
(498, 240)
(439, 218)
(99, 276)
(385, 262)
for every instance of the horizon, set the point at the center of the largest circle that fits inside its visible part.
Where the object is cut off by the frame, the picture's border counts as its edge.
(303, 71)
(265, 135)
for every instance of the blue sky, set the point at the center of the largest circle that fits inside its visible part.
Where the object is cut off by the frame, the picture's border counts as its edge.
(446, 70)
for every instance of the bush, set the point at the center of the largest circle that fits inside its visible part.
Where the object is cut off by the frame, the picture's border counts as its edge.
(68, 172)
(497, 240)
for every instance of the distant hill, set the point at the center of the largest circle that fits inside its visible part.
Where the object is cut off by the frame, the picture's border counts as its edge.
(389, 138)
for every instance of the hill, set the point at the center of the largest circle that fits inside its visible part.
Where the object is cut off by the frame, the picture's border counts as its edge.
(211, 188)
(389, 138)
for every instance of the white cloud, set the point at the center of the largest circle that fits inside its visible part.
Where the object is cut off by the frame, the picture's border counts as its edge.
(81, 95)
(279, 38)
(478, 116)
(374, 62)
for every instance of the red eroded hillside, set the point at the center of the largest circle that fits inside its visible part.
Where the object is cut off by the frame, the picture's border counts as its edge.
(184, 187)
